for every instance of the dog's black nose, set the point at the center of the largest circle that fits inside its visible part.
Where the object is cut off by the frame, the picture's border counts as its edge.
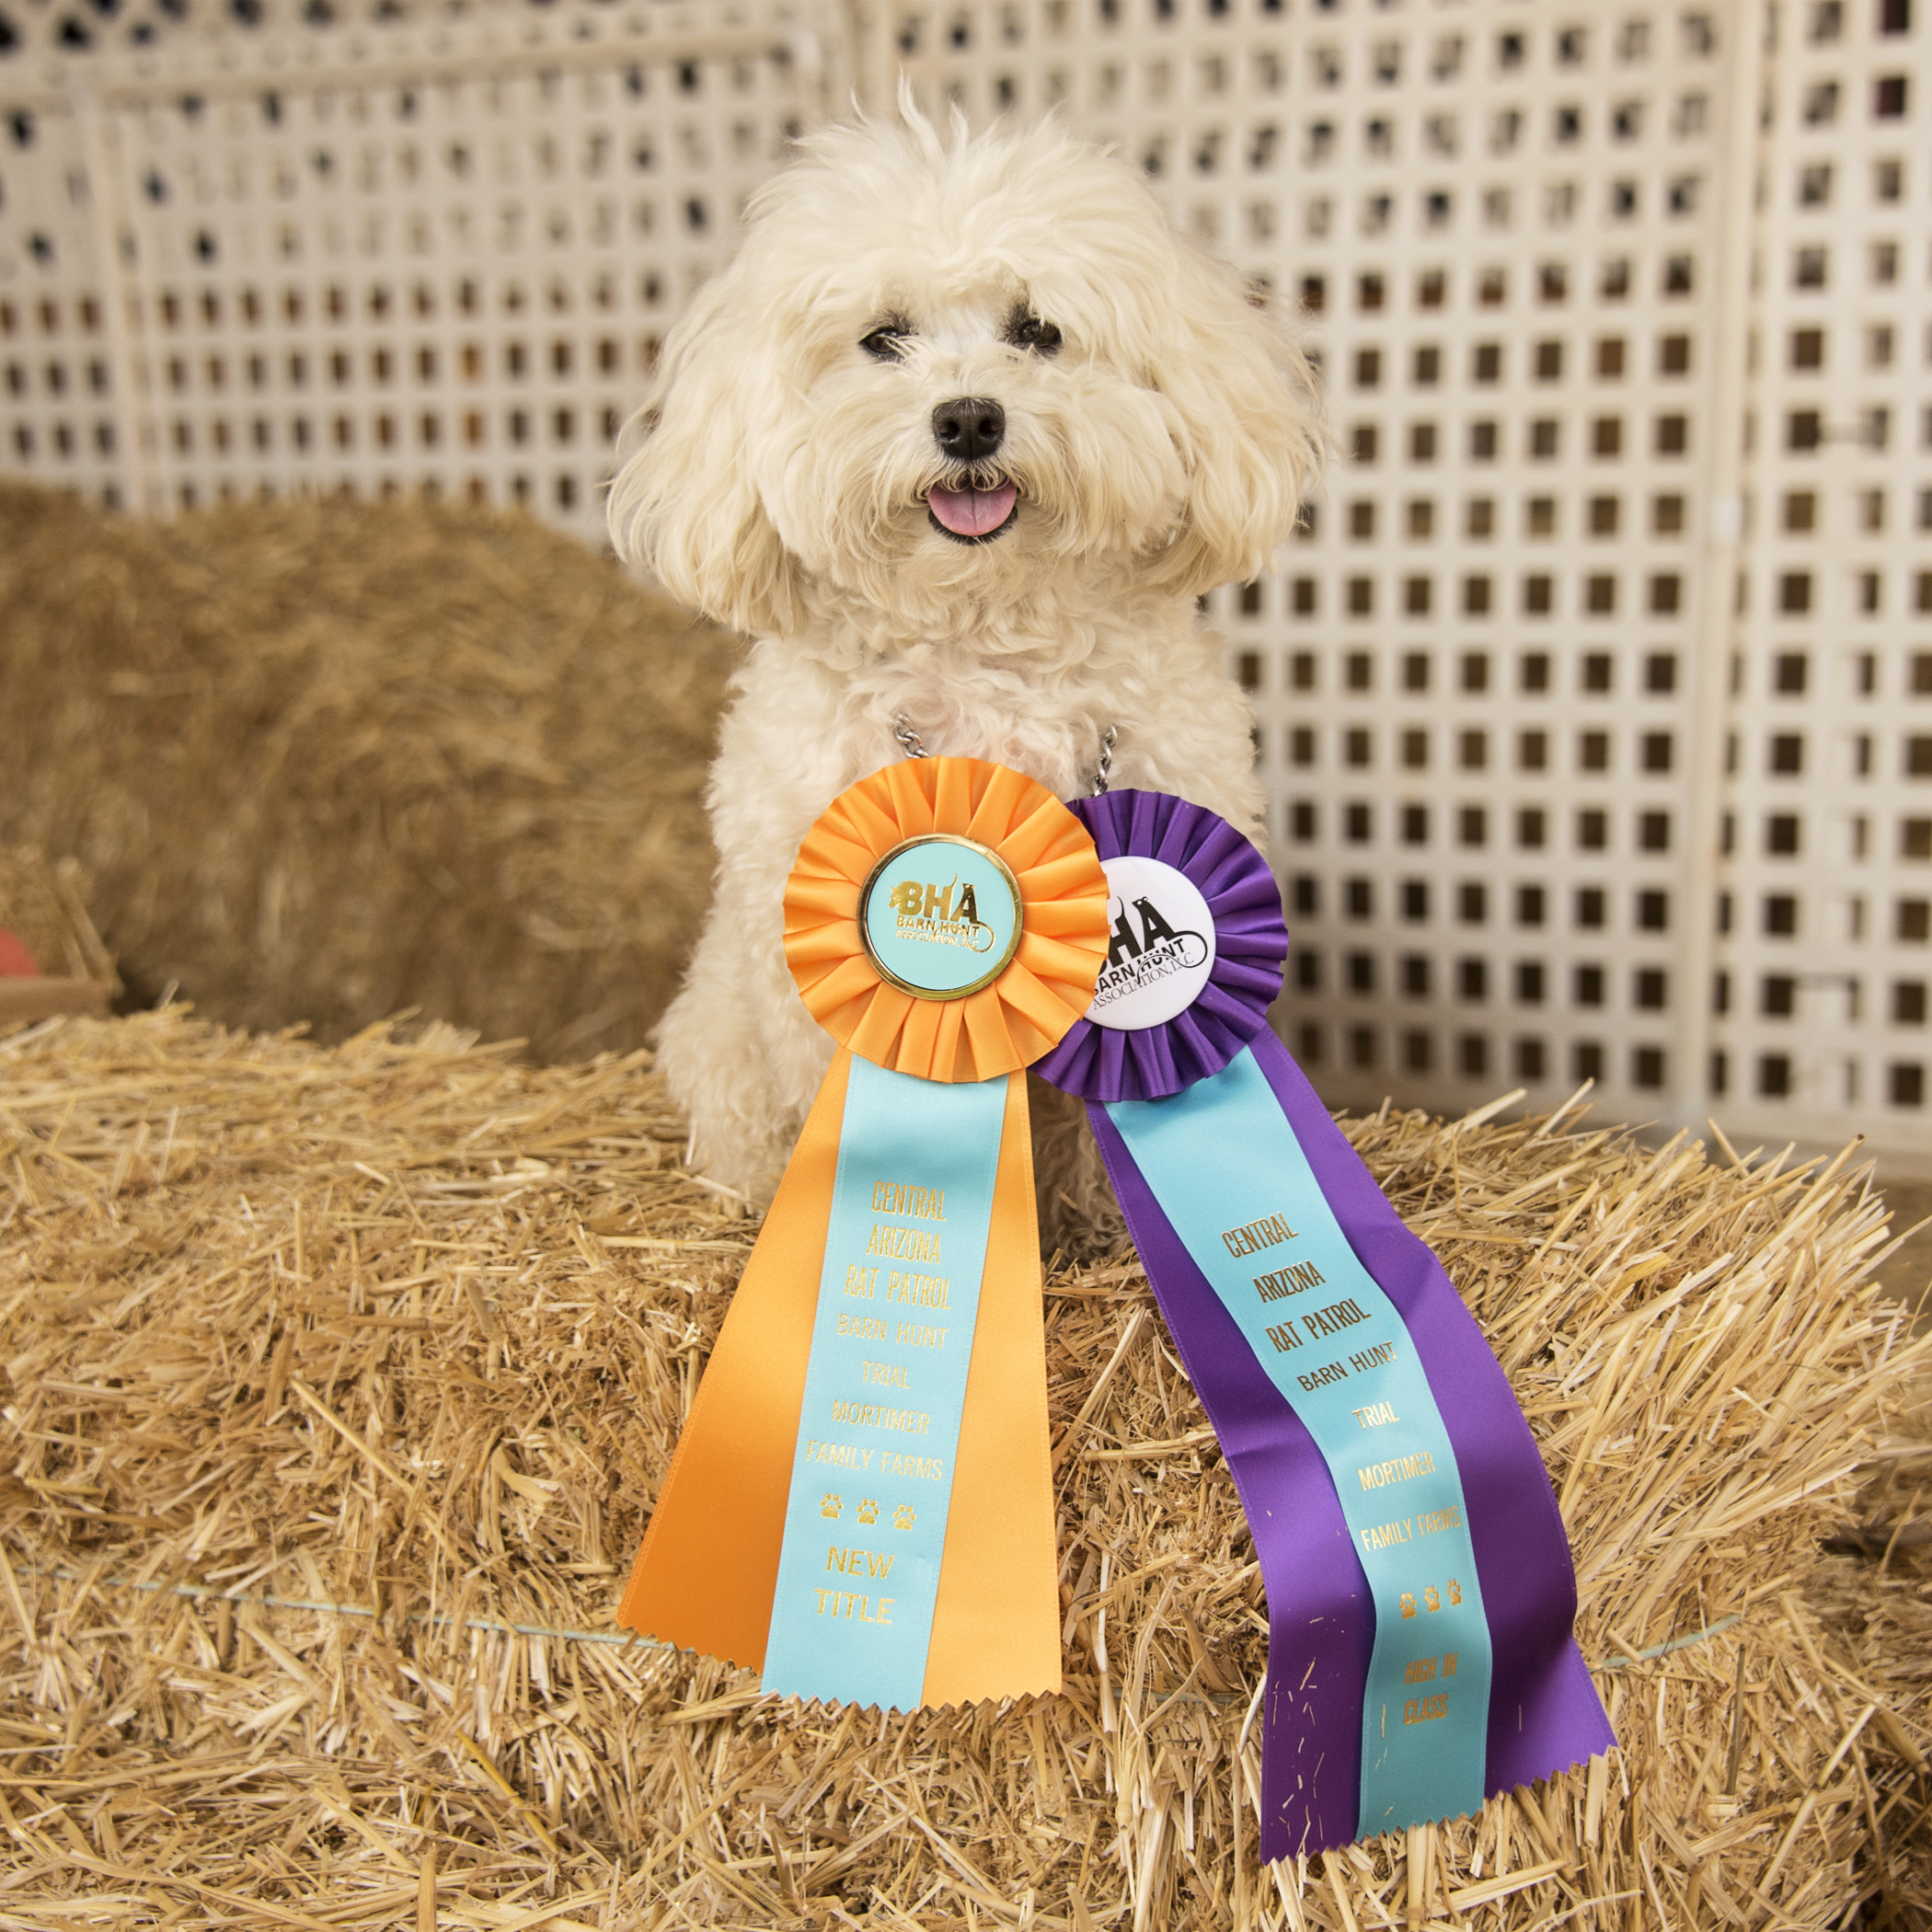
(969, 428)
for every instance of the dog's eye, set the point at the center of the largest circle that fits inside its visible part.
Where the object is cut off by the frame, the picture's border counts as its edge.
(1030, 332)
(887, 342)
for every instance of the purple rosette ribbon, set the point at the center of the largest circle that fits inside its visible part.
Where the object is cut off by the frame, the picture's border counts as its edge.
(1106, 1064)
(1421, 1593)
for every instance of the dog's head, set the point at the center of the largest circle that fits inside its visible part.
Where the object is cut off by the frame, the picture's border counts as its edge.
(966, 373)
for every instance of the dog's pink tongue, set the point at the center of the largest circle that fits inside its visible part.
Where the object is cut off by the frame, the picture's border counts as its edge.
(972, 513)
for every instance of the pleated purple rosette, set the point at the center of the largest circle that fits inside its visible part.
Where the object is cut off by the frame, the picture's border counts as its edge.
(1103, 1065)
(1544, 1714)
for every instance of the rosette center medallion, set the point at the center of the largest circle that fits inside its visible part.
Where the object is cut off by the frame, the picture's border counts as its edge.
(940, 916)
(1160, 952)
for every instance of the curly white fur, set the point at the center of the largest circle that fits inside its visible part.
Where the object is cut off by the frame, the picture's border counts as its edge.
(778, 478)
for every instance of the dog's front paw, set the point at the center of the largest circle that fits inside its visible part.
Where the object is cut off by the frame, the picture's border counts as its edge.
(741, 1149)
(742, 1120)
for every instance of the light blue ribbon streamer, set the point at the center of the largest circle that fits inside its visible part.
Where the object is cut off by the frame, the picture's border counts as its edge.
(885, 1388)
(1224, 1162)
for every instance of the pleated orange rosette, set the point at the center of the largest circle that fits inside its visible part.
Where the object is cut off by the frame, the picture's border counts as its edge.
(1044, 988)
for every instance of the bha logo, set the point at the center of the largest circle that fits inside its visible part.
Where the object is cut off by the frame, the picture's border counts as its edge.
(943, 937)
(1156, 942)
(929, 913)
(1147, 949)
(1161, 949)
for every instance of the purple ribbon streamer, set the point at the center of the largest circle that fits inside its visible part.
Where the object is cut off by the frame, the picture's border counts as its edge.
(1545, 1715)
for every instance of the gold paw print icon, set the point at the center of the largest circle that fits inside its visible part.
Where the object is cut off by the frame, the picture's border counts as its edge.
(903, 1518)
(869, 1511)
(829, 1505)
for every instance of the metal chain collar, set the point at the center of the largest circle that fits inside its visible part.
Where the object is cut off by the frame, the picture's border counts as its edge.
(913, 746)
(1104, 770)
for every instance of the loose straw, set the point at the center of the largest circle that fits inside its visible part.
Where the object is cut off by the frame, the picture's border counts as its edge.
(412, 1324)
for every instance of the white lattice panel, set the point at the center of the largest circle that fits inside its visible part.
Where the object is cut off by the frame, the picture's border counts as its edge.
(393, 254)
(1828, 806)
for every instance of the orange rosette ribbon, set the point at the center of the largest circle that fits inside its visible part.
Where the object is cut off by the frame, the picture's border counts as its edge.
(860, 1505)
(1045, 986)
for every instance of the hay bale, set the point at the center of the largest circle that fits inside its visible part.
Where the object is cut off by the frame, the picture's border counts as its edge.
(328, 760)
(410, 1327)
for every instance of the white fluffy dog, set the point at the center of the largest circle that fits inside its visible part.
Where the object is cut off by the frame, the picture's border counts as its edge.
(957, 438)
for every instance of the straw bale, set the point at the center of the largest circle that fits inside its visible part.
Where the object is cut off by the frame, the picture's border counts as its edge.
(328, 760)
(408, 1327)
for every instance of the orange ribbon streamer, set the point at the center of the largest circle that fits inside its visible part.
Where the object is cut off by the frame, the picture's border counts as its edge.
(705, 1576)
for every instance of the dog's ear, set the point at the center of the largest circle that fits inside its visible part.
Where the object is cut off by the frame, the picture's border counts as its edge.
(1251, 432)
(683, 503)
